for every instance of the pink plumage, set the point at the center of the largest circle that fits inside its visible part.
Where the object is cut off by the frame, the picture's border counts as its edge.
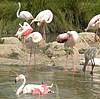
(94, 23)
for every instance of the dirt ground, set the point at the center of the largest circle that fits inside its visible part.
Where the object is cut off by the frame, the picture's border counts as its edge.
(53, 55)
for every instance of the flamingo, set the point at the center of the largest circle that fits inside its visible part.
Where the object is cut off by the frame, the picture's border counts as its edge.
(31, 88)
(89, 54)
(24, 30)
(35, 37)
(23, 14)
(42, 18)
(94, 24)
(69, 39)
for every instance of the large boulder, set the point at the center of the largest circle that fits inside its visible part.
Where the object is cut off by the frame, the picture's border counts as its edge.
(11, 48)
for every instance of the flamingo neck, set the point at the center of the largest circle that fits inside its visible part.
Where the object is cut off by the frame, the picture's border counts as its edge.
(50, 18)
(20, 89)
(73, 39)
(18, 10)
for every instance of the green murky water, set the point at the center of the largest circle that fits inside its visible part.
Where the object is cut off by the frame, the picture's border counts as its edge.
(66, 86)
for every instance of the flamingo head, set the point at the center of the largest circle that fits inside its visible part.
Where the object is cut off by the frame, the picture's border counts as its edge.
(18, 2)
(27, 39)
(20, 77)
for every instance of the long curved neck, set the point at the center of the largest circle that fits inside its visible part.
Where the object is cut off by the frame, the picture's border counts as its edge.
(20, 89)
(50, 17)
(18, 10)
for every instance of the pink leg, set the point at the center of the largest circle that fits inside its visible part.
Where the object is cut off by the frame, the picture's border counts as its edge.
(73, 69)
(44, 32)
(65, 68)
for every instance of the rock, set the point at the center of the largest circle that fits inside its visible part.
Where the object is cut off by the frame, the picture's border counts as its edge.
(87, 37)
(11, 48)
(11, 40)
(96, 60)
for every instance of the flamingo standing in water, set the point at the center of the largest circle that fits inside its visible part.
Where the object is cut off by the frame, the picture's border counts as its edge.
(94, 24)
(23, 14)
(69, 39)
(31, 88)
(89, 54)
(42, 18)
(24, 30)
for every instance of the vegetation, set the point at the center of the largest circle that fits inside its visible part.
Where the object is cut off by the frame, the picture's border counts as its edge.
(68, 14)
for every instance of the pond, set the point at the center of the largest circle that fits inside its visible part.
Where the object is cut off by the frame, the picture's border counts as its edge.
(66, 85)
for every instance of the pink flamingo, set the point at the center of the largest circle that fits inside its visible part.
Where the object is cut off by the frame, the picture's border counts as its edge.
(42, 18)
(23, 14)
(31, 88)
(94, 24)
(69, 39)
(24, 30)
(35, 37)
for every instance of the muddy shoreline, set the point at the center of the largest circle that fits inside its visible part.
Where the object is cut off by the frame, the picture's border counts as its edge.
(51, 57)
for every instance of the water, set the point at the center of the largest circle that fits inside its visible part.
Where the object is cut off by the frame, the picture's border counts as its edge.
(66, 86)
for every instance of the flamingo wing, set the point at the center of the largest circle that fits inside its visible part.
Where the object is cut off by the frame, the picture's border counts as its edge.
(40, 89)
(62, 38)
(26, 15)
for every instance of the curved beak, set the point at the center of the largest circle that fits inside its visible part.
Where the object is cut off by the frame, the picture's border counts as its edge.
(15, 81)
(32, 22)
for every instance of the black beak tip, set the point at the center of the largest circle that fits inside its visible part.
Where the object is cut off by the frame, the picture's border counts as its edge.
(15, 81)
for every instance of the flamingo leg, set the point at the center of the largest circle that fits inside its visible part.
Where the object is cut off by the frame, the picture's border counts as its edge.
(84, 68)
(73, 69)
(66, 50)
(93, 64)
(65, 68)
(30, 54)
(34, 54)
(44, 31)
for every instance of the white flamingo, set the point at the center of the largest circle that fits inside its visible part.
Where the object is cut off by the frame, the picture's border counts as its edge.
(31, 88)
(23, 14)
(94, 24)
(42, 18)
(35, 37)
(24, 30)
(69, 39)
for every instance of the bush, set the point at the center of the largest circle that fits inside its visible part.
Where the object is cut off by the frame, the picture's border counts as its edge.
(68, 14)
